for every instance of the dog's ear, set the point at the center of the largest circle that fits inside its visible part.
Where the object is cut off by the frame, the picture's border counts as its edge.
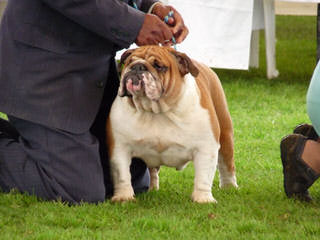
(185, 64)
(125, 55)
(123, 58)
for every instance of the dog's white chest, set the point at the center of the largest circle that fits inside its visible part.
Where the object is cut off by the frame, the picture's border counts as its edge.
(169, 139)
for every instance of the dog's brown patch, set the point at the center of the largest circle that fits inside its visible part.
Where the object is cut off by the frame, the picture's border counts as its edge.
(213, 98)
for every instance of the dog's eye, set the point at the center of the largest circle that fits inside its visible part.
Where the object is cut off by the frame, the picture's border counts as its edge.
(159, 67)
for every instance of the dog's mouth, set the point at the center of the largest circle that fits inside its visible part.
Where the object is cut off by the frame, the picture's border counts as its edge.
(140, 83)
(133, 84)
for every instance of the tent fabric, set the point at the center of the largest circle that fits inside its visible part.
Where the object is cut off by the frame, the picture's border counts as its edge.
(219, 31)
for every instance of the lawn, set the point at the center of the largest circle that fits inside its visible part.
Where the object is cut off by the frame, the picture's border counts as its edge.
(263, 111)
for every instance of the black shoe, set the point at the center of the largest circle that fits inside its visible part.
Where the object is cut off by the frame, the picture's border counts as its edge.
(306, 130)
(298, 176)
(7, 130)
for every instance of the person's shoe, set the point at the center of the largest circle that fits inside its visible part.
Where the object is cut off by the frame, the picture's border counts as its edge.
(298, 176)
(7, 130)
(306, 130)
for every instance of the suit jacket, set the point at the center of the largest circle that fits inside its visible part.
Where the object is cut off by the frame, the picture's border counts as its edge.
(55, 56)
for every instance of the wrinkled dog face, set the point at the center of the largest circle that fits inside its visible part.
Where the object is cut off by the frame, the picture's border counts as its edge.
(143, 77)
(152, 72)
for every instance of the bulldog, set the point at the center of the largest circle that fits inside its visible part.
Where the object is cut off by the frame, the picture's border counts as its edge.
(170, 110)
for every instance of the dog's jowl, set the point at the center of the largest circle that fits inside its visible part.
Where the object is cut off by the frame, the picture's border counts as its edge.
(170, 110)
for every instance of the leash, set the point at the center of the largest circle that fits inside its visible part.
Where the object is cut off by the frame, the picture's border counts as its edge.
(134, 2)
(166, 20)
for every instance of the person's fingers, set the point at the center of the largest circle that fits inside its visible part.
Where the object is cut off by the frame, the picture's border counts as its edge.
(180, 31)
(182, 34)
(167, 33)
(171, 21)
(153, 31)
(174, 21)
(178, 22)
(161, 11)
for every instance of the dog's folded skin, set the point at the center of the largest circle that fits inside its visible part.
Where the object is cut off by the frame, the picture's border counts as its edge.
(170, 111)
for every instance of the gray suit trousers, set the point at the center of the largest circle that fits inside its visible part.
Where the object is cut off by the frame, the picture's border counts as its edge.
(53, 164)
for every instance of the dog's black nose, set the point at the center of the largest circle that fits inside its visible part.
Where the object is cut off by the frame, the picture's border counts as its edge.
(139, 67)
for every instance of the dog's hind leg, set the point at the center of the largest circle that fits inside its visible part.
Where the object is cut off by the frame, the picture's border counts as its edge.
(226, 165)
(154, 178)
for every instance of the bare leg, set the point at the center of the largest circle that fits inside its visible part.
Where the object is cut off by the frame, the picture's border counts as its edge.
(311, 155)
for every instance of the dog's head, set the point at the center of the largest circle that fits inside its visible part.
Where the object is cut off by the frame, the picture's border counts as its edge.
(154, 72)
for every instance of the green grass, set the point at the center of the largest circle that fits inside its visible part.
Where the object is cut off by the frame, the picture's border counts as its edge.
(263, 111)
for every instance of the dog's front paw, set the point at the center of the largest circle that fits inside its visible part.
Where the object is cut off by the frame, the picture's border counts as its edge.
(123, 195)
(203, 197)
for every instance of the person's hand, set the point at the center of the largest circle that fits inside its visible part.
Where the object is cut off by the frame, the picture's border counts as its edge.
(176, 24)
(153, 31)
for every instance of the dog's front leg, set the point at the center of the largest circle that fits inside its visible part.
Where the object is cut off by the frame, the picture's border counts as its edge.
(205, 165)
(120, 162)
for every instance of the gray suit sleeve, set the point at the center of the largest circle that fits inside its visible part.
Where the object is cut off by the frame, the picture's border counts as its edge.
(112, 19)
(144, 5)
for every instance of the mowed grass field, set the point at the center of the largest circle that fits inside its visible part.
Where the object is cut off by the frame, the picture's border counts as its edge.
(263, 111)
